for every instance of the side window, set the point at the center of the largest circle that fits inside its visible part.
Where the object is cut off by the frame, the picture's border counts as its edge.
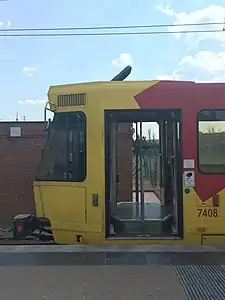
(64, 157)
(76, 138)
(211, 141)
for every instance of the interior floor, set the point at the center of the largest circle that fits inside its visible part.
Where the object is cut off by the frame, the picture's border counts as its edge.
(150, 219)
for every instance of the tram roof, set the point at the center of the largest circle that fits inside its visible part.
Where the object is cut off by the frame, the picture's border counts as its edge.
(167, 92)
(140, 84)
(90, 86)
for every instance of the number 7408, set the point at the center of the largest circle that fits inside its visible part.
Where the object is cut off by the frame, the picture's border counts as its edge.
(207, 212)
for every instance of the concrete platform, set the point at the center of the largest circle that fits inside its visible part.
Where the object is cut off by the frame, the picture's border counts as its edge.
(131, 272)
(109, 255)
(108, 248)
(112, 282)
(90, 283)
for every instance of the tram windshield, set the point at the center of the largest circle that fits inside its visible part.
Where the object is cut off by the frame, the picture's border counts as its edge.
(64, 155)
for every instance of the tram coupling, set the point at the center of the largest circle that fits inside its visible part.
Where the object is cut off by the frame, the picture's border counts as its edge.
(29, 226)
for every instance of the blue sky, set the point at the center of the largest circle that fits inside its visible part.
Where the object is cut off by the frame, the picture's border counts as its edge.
(30, 65)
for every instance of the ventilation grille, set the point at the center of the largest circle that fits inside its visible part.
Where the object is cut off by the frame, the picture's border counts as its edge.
(77, 99)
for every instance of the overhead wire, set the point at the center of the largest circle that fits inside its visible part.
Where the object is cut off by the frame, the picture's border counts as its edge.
(13, 32)
(108, 33)
(110, 27)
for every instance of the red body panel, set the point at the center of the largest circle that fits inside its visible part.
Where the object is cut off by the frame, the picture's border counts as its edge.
(191, 98)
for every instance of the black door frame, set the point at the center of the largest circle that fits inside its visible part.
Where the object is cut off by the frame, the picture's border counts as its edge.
(115, 115)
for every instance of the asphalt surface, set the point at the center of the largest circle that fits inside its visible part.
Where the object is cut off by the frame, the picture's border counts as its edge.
(90, 283)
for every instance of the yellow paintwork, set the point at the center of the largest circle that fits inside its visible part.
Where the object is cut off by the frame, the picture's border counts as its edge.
(68, 206)
(213, 239)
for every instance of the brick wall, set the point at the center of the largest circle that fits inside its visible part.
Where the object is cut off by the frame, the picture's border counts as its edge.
(19, 157)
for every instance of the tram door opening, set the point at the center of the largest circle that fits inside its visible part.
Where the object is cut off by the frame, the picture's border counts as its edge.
(143, 173)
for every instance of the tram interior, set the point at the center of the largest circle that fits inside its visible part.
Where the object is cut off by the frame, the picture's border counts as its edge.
(146, 200)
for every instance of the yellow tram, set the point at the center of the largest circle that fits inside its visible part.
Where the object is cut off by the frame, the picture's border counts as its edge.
(138, 162)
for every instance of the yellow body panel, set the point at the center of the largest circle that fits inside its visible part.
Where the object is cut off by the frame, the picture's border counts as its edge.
(212, 240)
(69, 207)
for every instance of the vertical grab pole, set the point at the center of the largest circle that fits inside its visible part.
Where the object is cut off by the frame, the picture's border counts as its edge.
(113, 169)
(137, 164)
(141, 176)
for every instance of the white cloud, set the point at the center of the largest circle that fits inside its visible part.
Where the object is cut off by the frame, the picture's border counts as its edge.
(202, 67)
(209, 61)
(9, 24)
(32, 102)
(213, 13)
(29, 71)
(173, 76)
(123, 60)
(166, 9)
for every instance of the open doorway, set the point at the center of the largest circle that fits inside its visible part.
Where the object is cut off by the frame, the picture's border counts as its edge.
(143, 173)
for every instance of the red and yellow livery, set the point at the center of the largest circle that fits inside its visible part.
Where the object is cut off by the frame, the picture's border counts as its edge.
(76, 188)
